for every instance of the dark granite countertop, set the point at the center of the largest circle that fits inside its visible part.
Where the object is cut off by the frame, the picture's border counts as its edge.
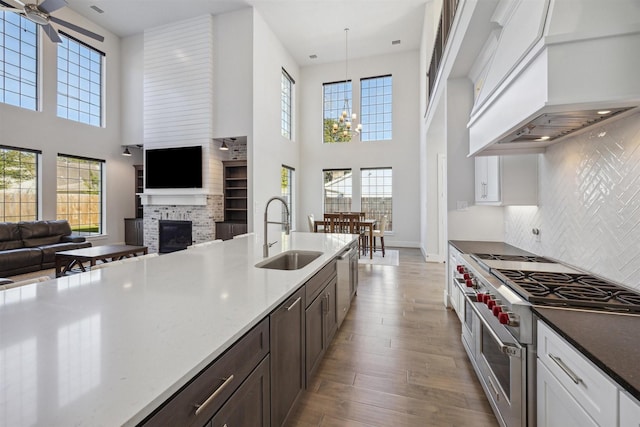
(611, 341)
(480, 247)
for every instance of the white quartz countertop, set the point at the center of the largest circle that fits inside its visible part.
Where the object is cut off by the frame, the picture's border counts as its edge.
(106, 347)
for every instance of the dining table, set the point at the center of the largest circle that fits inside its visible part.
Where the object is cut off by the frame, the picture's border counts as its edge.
(368, 224)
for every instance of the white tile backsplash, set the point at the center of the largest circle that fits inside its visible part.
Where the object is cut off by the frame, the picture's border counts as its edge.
(589, 203)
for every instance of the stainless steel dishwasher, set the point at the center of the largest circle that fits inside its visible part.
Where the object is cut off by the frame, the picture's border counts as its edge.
(347, 280)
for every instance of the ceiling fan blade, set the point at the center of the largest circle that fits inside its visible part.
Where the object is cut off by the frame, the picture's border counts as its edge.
(52, 5)
(52, 33)
(76, 28)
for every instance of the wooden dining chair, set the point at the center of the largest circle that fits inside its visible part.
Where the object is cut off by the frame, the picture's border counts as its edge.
(333, 222)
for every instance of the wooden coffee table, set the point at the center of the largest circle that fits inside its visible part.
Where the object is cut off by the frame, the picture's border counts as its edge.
(66, 260)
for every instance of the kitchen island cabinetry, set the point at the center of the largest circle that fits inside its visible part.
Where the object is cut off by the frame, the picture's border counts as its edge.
(287, 356)
(205, 395)
(249, 406)
(321, 316)
(506, 180)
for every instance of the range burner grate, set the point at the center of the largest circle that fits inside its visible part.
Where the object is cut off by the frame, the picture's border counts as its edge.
(521, 258)
(570, 290)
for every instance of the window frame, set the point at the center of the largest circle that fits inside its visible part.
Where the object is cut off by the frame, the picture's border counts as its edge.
(336, 106)
(369, 106)
(32, 213)
(30, 101)
(78, 225)
(364, 192)
(287, 192)
(337, 207)
(287, 84)
(70, 93)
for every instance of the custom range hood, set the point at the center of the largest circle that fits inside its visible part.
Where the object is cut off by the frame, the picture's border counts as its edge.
(551, 69)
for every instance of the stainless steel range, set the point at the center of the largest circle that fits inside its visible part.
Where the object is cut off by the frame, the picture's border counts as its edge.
(498, 330)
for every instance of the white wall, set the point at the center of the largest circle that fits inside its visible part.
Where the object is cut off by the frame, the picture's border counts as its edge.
(269, 149)
(43, 130)
(589, 196)
(401, 153)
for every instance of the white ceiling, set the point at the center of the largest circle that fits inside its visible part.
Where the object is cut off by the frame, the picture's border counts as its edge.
(305, 27)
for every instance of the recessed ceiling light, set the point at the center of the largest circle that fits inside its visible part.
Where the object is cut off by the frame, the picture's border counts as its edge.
(604, 112)
(314, 56)
(394, 42)
(96, 8)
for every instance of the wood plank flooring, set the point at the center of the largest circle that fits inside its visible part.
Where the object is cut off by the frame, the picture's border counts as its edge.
(397, 360)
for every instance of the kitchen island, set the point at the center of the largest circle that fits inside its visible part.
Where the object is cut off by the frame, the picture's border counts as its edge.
(109, 346)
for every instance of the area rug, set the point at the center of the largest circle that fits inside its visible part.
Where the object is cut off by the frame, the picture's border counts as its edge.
(49, 272)
(391, 257)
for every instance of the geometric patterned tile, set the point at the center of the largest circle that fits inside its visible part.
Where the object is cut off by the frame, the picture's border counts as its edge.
(589, 203)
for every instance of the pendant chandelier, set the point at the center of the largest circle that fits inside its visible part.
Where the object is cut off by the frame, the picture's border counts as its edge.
(345, 126)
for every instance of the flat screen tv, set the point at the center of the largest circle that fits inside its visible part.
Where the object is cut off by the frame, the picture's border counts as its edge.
(179, 167)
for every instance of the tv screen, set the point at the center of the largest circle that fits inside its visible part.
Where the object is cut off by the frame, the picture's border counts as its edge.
(179, 167)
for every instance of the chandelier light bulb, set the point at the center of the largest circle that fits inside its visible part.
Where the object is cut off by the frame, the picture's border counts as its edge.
(348, 125)
(354, 116)
(335, 127)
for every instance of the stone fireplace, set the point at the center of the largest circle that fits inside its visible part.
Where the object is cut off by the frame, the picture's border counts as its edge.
(202, 217)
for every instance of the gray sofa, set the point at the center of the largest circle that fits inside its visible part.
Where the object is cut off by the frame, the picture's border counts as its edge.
(28, 246)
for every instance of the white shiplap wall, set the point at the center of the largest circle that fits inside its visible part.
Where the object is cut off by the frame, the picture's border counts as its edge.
(589, 206)
(178, 83)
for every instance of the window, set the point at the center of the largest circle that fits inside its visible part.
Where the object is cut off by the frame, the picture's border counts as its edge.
(377, 194)
(334, 96)
(376, 108)
(18, 61)
(337, 190)
(18, 184)
(287, 184)
(79, 82)
(287, 104)
(79, 195)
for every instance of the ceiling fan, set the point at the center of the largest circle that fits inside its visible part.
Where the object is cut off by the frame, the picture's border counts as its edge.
(41, 14)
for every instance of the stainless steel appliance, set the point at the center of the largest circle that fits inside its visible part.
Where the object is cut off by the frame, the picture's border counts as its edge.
(347, 275)
(498, 330)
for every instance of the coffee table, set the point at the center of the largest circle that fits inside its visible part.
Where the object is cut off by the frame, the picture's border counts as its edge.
(66, 260)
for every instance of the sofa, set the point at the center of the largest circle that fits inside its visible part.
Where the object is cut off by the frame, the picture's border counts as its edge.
(28, 246)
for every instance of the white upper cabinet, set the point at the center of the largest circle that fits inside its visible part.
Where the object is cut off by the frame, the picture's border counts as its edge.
(506, 180)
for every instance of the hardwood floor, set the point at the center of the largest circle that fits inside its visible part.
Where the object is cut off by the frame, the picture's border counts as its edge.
(397, 359)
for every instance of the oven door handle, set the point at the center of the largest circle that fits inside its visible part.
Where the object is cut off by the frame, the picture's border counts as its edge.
(512, 350)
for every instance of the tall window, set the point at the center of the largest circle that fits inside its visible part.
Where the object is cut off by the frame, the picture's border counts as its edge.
(79, 195)
(18, 61)
(287, 181)
(337, 190)
(377, 194)
(79, 82)
(376, 108)
(286, 104)
(333, 96)
(18, 184)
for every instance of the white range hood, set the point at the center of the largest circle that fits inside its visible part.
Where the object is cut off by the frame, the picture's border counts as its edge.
(553, 68)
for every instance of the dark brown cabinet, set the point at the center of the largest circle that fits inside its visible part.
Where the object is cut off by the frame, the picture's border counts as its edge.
(134, 231)
(235, 200)
(249, 405)
(287, 356)
(206, 394)
(320, 317)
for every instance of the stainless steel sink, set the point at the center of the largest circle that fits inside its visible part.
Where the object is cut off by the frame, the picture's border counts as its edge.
(289, 260)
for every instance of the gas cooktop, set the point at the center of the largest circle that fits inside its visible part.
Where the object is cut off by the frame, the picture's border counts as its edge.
(569, 289)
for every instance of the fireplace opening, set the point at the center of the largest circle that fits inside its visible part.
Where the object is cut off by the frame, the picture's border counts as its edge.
(174, 235)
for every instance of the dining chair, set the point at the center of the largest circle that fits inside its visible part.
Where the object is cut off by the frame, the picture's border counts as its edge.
(380, 233)
(311, 221)
(333, 222)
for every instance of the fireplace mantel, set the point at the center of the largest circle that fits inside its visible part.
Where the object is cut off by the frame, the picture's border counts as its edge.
(173, 199)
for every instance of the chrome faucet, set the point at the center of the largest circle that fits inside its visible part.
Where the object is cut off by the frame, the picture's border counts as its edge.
(266, 246)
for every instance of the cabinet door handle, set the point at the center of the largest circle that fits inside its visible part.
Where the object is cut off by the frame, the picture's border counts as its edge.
(294, 303)
(200, 408)
(576, 379)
